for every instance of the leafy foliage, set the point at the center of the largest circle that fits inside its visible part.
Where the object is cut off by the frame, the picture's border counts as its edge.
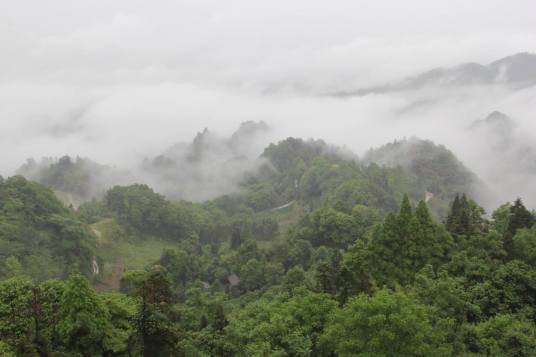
(39, 234)
(317, 254)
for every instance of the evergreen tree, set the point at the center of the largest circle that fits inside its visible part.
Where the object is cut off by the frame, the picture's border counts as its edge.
(404, 244)
(464, 218)
(520, 217)
(389, 251)
(155, 318)
(431, 241)
(454, 215)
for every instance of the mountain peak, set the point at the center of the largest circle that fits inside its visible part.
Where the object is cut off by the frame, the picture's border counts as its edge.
(495, 125)
(497, 116)
(520, 67)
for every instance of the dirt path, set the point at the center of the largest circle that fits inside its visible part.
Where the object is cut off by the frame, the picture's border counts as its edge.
(113, 281)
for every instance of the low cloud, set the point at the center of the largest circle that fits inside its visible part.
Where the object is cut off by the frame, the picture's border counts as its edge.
(125, 80)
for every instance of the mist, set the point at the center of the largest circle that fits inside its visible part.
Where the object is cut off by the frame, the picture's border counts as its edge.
(124, 81)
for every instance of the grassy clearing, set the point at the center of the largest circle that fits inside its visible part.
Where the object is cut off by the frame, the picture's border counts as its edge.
(117, 248)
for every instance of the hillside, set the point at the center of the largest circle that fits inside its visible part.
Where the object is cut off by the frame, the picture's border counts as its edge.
(432, 168)
(311, 242)
(40, 238)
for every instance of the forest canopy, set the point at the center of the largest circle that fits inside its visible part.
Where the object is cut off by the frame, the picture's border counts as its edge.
(319, 253)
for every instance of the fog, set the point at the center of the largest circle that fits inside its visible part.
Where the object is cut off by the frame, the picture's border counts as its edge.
(121, 81)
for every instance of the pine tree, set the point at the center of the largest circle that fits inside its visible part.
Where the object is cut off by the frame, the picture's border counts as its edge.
(405, 243)
(464, 218)
(520, 217)
(405, 215)
(454, 216)
(432, 240)
(390, 249)
(220, 321)
(465, 221)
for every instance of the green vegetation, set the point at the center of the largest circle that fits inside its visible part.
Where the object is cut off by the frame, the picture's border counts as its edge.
(75, 180)
(318, 254)
(39, 237)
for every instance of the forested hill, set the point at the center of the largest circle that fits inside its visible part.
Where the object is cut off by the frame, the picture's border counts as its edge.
(432, 167)
(39, 237)
(293, 168)
(318, 253)
(75, 180)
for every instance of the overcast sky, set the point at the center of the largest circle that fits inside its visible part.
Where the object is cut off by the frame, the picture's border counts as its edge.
(117, 79)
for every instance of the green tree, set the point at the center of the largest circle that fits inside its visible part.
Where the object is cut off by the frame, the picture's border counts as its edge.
(138, 206)
(118, 338)
(404, 244)
(507, 335)
(17, 324)
(85, 318)
(465, 217)
(47, 313)
(524, 246)
(13, 267)
(182, 266)
(520, 217)
(154, 321)
(501, 217)
(364, 218)
(386, 324)
(447, 294)
(511, 288)
(431, 243)
(294, 278)
(6, 350)
(282, 325)
(252, 275)
(331, 228)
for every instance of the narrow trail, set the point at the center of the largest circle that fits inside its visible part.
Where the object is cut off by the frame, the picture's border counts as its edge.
(283, 206)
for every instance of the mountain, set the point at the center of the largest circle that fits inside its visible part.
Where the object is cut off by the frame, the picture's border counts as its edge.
(504, 155)
(517, 71)
(433, 168)
(519, 68)
(497, 129)
(512, 149)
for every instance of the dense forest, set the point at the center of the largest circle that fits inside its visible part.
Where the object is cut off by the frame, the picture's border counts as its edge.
(317, 253)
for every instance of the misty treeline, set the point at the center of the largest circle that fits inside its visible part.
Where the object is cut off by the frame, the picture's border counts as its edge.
(318, 253)
(207, 167)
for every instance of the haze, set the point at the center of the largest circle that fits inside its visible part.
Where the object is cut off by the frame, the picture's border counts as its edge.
(118, 81)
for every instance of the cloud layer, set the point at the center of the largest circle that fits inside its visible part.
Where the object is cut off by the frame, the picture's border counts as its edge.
(122, 80)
